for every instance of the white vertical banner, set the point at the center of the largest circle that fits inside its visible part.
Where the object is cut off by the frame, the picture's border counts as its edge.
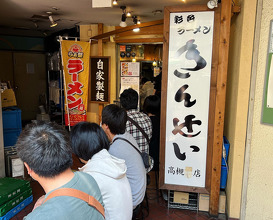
(189, 74)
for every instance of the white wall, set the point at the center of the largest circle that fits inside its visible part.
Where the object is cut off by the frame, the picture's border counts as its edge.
(237, 98)
(258, 187)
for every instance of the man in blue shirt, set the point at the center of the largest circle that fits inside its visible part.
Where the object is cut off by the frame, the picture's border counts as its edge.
(45, 149)
(114, 124)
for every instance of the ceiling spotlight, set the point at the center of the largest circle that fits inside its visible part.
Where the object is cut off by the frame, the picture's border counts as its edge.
(53, 23)
(129, 14)
(123, 17)
(115, 2)
(135, 19)
(212, 4)
(136, 30)
(123, 21)
(138, 22)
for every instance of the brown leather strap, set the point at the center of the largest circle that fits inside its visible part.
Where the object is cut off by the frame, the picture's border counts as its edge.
(77, 194)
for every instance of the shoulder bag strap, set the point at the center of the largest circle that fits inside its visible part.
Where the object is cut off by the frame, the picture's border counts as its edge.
(77, 194)
(140, 128)
(120, 138)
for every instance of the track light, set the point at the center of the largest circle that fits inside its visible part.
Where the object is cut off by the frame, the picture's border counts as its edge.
(53, 23)
(138, 22)
(128, 14)
(123, 21)
(115, 2)
(212, 4)
(135, 19)
(123, 17)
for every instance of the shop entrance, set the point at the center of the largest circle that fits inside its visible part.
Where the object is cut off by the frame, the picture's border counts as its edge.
(139, 65)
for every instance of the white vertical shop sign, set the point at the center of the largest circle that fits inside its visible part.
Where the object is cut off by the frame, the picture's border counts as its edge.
(189, 74)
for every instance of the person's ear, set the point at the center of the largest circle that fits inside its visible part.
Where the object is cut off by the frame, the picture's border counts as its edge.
(105, 127)
(28, 168)
(30, 171)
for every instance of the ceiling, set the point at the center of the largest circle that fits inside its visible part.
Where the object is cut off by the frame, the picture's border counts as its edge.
(30, 17)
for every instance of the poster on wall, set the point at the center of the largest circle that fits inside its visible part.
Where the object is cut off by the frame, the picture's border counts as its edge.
(268, 91)
(129, 82)
(130, 68)
(188, 92)
(100, 72)
(75, 60)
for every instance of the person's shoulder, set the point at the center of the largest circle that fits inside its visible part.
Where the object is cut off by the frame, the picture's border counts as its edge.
(44, 212)
(138, 115)
(130, 138)
(143, 114)
(144, 117)
(126, 136)
(85, 176)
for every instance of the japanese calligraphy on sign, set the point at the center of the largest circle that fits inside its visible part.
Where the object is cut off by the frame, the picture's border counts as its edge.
(75, 57)
(188, 91)
(100, 67)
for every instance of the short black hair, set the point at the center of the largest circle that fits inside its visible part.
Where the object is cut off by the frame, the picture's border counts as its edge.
(45, 147)
(115, 117)
(144, 80)
(152, 105)
(87, 139)
(129, 99)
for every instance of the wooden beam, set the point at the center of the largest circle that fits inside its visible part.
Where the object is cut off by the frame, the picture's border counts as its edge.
(105, 40)
(220, 105)
(129, 28)
(100, 31)
(140, 40)
(153, 30)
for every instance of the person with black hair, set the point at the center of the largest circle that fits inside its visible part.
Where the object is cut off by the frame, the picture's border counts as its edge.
(114, 124)
(45, 149)
(129, 101)
(157, 83)
(90, 144)
(152, 108)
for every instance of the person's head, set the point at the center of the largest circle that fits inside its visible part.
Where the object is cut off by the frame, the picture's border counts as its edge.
(129, 99)
(87, 139)
(114, 118)
(152, 105)
(144, 80)
(45, 148)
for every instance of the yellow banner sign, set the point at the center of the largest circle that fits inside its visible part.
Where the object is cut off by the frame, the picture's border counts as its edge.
(75, 57)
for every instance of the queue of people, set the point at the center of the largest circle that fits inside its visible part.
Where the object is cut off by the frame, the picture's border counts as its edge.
(112, 182)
